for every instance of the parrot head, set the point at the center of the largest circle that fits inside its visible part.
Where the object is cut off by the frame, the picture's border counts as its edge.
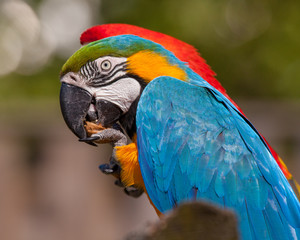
(103, 81)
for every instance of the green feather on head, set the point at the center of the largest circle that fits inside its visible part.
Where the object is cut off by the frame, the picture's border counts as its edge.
(118, 46)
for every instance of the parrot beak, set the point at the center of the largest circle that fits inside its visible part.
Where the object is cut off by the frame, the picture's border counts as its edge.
(74, 103)
(78, 106)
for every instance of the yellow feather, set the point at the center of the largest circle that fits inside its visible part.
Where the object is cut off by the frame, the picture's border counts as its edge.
(149, 65)
(128, 157)
(131, 174)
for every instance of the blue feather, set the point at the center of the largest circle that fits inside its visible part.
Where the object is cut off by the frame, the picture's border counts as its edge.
(194, 145)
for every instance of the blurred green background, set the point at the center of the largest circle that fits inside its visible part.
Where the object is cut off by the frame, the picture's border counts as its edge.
(253, 46)
(50, 187)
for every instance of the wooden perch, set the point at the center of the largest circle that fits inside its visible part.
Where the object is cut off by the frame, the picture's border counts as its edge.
(193, 221)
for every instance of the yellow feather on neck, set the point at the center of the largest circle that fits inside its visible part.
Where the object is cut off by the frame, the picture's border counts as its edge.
(149, 65)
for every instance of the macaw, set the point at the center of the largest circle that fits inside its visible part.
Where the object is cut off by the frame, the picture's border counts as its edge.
(189, 140)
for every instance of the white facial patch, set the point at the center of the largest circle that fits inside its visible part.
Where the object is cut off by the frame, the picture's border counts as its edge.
(105, 79)
(122, 93)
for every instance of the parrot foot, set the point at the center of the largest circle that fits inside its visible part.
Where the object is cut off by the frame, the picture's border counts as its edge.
(132, 191)
(114, 168)
(110, 168)
(114, 135)
(107, 168)
(119, 183)
(109, 135)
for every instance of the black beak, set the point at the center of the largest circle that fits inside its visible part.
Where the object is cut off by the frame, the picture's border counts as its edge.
(74, 103)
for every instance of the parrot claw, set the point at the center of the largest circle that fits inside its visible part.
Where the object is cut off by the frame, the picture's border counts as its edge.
(98, 136)
(110, 135)
(132, 191)
(119, 183)
(105, 168)
(92, 144)
(110, 168)
(89, 140)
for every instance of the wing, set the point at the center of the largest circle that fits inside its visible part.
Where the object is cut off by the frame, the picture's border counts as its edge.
(193, 144)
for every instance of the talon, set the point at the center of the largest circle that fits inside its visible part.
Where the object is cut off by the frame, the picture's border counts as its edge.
(109, 168)
(106, 168)
(89, 139)
(88, 142)
(132, 191)
(119, 183)
(92, 144)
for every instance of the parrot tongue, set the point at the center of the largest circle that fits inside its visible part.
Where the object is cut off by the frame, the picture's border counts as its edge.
(92, 114)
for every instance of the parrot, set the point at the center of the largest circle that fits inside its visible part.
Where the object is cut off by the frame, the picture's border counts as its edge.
(175, 132)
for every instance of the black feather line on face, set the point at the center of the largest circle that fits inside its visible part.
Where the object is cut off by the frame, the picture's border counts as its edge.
(94, 76)
(107, 79)
(90, 70)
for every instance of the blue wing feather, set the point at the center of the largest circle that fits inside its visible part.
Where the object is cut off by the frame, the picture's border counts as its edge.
(194, 144)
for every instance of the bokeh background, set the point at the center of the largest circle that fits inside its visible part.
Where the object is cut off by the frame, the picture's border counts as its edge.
(50, 185)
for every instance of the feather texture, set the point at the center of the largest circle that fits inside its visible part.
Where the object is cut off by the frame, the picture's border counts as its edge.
(194, 144)
(181, 50)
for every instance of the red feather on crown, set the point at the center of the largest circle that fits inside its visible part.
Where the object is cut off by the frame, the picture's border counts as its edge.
(180, 49)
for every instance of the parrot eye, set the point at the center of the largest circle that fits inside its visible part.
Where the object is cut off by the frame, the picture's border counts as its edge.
(103, 70)
(106, 65)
